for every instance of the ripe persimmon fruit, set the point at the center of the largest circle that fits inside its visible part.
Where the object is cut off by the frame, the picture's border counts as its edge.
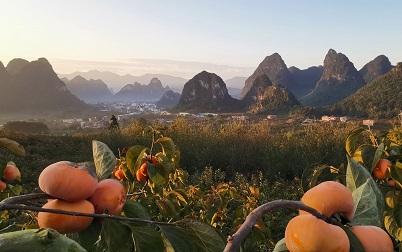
(66, 223)
(308, 233)
(11, 173)
(110, 196)
(381, 168)
(3, 185)
(330, 197)
(142, 173)
(68, 181)
(119, 174)
(373, 238)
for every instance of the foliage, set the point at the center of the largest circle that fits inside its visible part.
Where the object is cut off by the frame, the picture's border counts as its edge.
(27, 127)
(185, 190)
(376, 100)
(377, 201)
(199, 214)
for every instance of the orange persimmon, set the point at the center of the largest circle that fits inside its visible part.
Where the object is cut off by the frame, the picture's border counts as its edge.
(66, 223)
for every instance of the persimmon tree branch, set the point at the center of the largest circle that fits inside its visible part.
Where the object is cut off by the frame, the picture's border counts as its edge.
(234, 241)
(17, 202)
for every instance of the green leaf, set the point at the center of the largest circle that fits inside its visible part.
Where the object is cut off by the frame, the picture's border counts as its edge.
(165, 163)
(352, 141)
(397, 212)
(168, 147)
(89, 236)
(280, 246)
(367, 155)
(369, 201)
(156, 174)
(377, 156)
(12, 146)
(3, 165)
(134, 209)
(391, 225)
(114, 235)
(104, 159)
(17, 189)
(129, 175)
(315, 175)
(146, 239)
(202, 235)
(355, 244)
(155, 189)
(396, 174)
(178, 238)
(131, 157)
(180, 195)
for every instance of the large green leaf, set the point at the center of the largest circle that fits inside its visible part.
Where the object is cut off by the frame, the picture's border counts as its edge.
(134, 209)
(131, 156)
(352, 143)
(202, 235)
(104, 159)
(365, 154)
(280, 246)
(178, 238)
(168, 147)
(147, 239)
(391, 225)
(368, 209)
(12, 146)
(114, 235)
(89, 236)
(369, 201)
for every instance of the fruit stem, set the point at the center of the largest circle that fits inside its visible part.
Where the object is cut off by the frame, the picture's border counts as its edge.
(152, 145)
(234, 241)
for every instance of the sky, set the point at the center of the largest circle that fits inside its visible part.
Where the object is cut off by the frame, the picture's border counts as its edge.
(185, 37)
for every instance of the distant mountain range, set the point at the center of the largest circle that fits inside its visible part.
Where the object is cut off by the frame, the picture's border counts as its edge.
(117, 81)
(27, 87)
(90, 91)
(137, 92)
(272, 88)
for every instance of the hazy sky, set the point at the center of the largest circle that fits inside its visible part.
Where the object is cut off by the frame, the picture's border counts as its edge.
(178, 36)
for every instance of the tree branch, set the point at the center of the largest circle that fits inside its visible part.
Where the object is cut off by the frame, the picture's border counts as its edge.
(236, 239)
(16, 202)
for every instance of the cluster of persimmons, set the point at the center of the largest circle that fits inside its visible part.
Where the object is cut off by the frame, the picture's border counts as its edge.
(11, 173)
(142, 172)
(306, 232)
(75, 188)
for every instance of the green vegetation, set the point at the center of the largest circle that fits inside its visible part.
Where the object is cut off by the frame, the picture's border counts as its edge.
(378, 99)
(233, 147)
(189, 201)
